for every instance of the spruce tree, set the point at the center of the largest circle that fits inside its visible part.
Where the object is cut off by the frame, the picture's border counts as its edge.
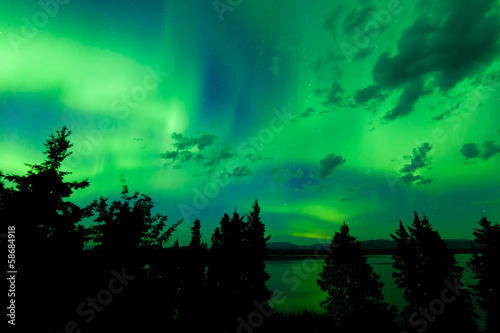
(129, 237)
(193, 290)
(49, 236)
(485, 266)
(354, 290)
(424, 267)
(256, 247)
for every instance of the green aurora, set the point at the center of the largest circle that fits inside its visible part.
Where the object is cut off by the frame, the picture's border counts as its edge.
(326, 111)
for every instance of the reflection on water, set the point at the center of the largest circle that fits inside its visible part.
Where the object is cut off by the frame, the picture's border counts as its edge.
(296, 279)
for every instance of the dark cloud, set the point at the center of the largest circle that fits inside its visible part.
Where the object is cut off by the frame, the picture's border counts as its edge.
(441, 50)
(470, 150)
(418, 160)
(328, 164)
(490, 148)
(335, 96)
(366, 94)
(219, 156)
(201, 142)
(332, 20)
(307, 113)
(170, 155)
(357, 18)
(407, 101)
(184, 155)
(320, 92)
(442, 115)
(253, 157)
(347, 199)
(241, 171)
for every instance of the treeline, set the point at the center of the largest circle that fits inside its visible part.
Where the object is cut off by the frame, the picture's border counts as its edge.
(427, 272)
(131, 281)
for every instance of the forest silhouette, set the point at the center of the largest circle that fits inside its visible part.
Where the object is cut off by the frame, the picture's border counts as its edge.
(131, 281)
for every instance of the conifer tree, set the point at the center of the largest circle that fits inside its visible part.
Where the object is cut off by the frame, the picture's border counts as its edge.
(128, 236)
(424, 267)
(193, 291)
(50, 238)
(256, 247)
(354, 290)
(485, 266)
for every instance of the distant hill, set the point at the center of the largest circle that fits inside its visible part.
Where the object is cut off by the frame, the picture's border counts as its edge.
(286, 246)
(377, 244)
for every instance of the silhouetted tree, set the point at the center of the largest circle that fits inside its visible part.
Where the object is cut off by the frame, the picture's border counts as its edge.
(128, 235)
(424, 267)
(354, 290)
(256, 247)
(236, 275)
(193, 294)
(485, 266)
(50, 238)
(226, 278)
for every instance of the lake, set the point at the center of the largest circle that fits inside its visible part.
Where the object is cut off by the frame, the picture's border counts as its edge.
(297, 290)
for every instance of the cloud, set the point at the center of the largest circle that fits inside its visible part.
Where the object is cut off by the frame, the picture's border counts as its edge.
(332, 19)
(418, 160)
(490, 149)
(210, 159)
(407, 100)
(219, 156)
(438, 50)
(335, 96)
(328, 164)
(442, 115)
(253, 157)
(320, 92)
(307, 113)
(470, 150)
(201, 142)
(347, 199)
(241, 171)
(170, 155)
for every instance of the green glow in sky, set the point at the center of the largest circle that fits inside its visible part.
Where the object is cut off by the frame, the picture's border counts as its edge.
(357, 111)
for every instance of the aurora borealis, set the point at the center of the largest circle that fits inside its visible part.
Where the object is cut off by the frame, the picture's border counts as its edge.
(326, 111)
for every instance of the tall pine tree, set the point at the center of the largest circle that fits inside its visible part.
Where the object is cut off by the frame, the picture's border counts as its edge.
(129, 237)
(193, 291)
(485, 266)
(423, 268)
(256, 247)
(354, 290)
(49, 236)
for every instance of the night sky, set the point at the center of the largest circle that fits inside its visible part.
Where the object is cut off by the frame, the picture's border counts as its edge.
(326, 111)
